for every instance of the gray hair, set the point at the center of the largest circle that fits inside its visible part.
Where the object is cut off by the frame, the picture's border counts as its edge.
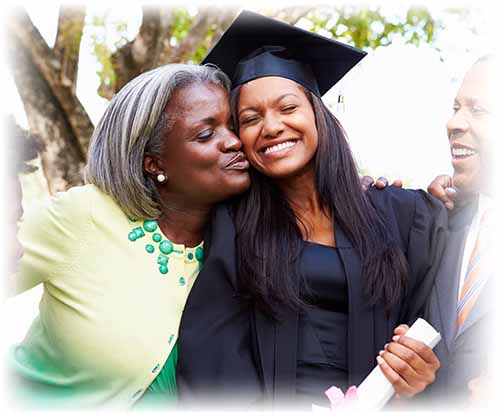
(134, 123)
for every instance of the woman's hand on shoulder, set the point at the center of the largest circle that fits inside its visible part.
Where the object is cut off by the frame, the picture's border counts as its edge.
(380, 183)
(408, 364)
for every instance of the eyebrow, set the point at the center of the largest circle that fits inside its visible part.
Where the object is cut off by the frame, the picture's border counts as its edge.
(204, 121)
(277, 100)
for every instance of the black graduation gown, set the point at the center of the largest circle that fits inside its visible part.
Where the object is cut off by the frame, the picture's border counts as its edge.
(229, 349)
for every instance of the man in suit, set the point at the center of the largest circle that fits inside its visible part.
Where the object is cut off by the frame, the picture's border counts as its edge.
(461, 302)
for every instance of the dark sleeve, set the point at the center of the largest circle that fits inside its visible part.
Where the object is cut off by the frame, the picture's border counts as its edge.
(426, 242)
(215, 347)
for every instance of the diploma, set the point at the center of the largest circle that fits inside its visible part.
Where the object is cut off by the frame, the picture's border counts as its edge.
(375, 391)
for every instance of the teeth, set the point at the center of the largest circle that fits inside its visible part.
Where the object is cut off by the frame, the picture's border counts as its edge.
(460, 151)
(278, 147)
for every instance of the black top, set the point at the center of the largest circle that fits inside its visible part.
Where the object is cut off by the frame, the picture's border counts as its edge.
(326, 284)
(322, 328)
(229, 349)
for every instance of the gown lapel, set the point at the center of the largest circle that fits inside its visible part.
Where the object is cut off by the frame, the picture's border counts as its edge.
(360, 332)
(266, 343)
(277, 348)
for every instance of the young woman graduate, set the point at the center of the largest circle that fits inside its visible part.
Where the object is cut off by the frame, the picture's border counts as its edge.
(306, 276)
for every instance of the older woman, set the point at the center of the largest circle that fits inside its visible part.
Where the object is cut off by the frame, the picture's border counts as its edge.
(118, 256)
(323, 272)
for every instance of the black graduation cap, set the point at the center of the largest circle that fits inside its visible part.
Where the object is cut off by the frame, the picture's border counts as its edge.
(257, 46)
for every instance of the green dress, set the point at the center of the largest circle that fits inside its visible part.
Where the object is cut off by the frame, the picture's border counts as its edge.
(162, 393)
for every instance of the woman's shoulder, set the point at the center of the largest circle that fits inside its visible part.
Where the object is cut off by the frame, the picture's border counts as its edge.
(409, 209)
(396, 205)
(76, 196)
(394, 197)
(89, 199)
(405, 201)
(67, 205)
(85, 193)
(74, 207)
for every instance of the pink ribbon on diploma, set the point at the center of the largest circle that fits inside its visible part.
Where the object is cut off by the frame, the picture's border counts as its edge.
(341, 402)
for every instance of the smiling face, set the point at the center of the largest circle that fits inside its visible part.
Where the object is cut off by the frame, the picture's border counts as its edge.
(201, 155)
(470, 130)
(277, 127)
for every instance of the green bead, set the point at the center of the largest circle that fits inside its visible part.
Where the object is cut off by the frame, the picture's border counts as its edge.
(150, 248)
(182, 281)
(132, 219)
(162, 260)
(132, 237)
(150, 225)
(138, 232)
(170, 339)
(166, 247)
(199, 253)
(163, 269)
(157, 237)
(190, 256)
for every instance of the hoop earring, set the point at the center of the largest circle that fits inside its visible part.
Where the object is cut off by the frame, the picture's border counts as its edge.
(161, 178)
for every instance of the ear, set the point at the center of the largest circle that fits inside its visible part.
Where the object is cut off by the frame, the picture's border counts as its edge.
(152, 165)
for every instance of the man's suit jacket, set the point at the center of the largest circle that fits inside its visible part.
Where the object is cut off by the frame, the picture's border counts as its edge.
(464, 356)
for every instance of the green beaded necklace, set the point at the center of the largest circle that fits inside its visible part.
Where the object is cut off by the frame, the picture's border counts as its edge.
(165, 246)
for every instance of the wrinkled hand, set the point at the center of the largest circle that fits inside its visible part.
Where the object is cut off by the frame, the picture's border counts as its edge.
(381, 183)
(442, 188)
(408, 364)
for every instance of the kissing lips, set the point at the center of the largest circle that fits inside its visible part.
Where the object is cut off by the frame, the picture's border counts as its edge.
(237, 162)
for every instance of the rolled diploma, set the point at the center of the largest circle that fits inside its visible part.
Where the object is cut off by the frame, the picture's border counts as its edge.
(375, 391)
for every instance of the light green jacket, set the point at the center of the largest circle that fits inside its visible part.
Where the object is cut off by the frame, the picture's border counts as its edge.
(108, 317)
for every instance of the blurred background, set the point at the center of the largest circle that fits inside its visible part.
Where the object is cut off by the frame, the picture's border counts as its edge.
(64, 62)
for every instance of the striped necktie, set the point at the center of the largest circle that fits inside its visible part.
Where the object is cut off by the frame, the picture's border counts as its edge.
(478, 269)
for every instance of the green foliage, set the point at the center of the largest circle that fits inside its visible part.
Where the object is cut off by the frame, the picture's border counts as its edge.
(369, 28)
(121, 34)
(182, 23)
(106, 37)
(204, 46)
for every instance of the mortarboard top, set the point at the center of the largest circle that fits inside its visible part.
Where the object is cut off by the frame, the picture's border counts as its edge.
(257, 46)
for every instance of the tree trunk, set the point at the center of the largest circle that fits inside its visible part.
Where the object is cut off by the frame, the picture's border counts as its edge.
(53, 111)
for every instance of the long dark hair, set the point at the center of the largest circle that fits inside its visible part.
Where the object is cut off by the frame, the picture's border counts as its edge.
(269, 239)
